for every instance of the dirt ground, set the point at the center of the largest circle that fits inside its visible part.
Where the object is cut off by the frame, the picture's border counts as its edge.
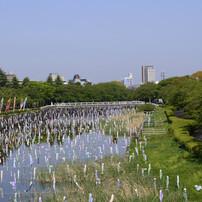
(198, 134)
(180, 114)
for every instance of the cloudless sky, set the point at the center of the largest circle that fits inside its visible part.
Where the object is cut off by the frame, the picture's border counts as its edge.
(102, 40)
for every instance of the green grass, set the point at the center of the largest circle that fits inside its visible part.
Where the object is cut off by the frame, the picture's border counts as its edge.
(163, 153)
(11, 113)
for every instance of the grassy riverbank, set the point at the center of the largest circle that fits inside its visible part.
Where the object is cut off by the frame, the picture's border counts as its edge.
(129, 122)
(162, 152)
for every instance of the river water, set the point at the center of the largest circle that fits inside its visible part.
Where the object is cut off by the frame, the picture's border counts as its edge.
(19, 167)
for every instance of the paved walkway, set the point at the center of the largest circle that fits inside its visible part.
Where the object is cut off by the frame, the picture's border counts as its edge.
(197, 135)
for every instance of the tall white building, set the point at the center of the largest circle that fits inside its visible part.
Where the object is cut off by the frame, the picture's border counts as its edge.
(128, 81)
(148, 74)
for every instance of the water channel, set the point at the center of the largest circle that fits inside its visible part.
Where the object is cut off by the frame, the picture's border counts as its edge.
(33, 141)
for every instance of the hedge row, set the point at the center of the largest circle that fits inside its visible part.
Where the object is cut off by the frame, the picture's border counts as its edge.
(180, 129)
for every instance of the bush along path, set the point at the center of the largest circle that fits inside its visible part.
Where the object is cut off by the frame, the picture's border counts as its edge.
(155, 169)
(182, 130)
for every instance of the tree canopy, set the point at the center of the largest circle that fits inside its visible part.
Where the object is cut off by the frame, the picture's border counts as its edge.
(58, 81)
(15, 82)
(3, 78)
(146, 92)
(25, 81)
(197, 75)
(49, 80)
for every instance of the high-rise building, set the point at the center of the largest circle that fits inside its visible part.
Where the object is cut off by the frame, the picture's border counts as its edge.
(148, 74)
(128, 81)
(143, 74)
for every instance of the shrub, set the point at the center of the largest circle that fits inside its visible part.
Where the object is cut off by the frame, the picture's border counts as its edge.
(181, 129)
(147, 108)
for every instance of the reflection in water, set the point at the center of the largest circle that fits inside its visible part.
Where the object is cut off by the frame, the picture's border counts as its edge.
(43, 139)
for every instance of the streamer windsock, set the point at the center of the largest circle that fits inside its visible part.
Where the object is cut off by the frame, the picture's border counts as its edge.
(198, 188)
(7, 106)
(178, 181)
(1, 105)
(161, 195)
(21, 104)
(14, 104)
(90, 198)
(185, 194)
(112, 198)
(24, 103)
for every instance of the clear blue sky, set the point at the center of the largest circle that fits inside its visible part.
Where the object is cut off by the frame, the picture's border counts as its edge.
(102, 40)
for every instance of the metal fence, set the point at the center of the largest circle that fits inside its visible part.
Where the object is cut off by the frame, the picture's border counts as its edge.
(95, 104)
(153, 131)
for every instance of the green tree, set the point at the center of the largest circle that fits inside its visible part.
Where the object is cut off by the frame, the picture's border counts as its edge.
(70, 82)
(184, 92)
(146, 92)
(25, 81)
(3, 78)
(197, 75)
(41, 92)
(49, 80)
(165, 82)
(58, 81)
(15, 82)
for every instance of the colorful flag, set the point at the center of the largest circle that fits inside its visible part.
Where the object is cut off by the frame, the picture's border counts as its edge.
(21, 104)
(7, 106)
(24, 103)
(161, 195)
(1, 105)
(14, 104)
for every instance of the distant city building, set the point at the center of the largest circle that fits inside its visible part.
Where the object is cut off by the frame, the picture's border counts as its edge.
(77, 79)
(55, 75)
(163, 75)
(148, 74)
(10, 76)
(63, 79)
(128, 81)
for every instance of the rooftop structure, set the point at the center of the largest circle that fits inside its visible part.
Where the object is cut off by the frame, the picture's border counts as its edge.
(77, 79)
